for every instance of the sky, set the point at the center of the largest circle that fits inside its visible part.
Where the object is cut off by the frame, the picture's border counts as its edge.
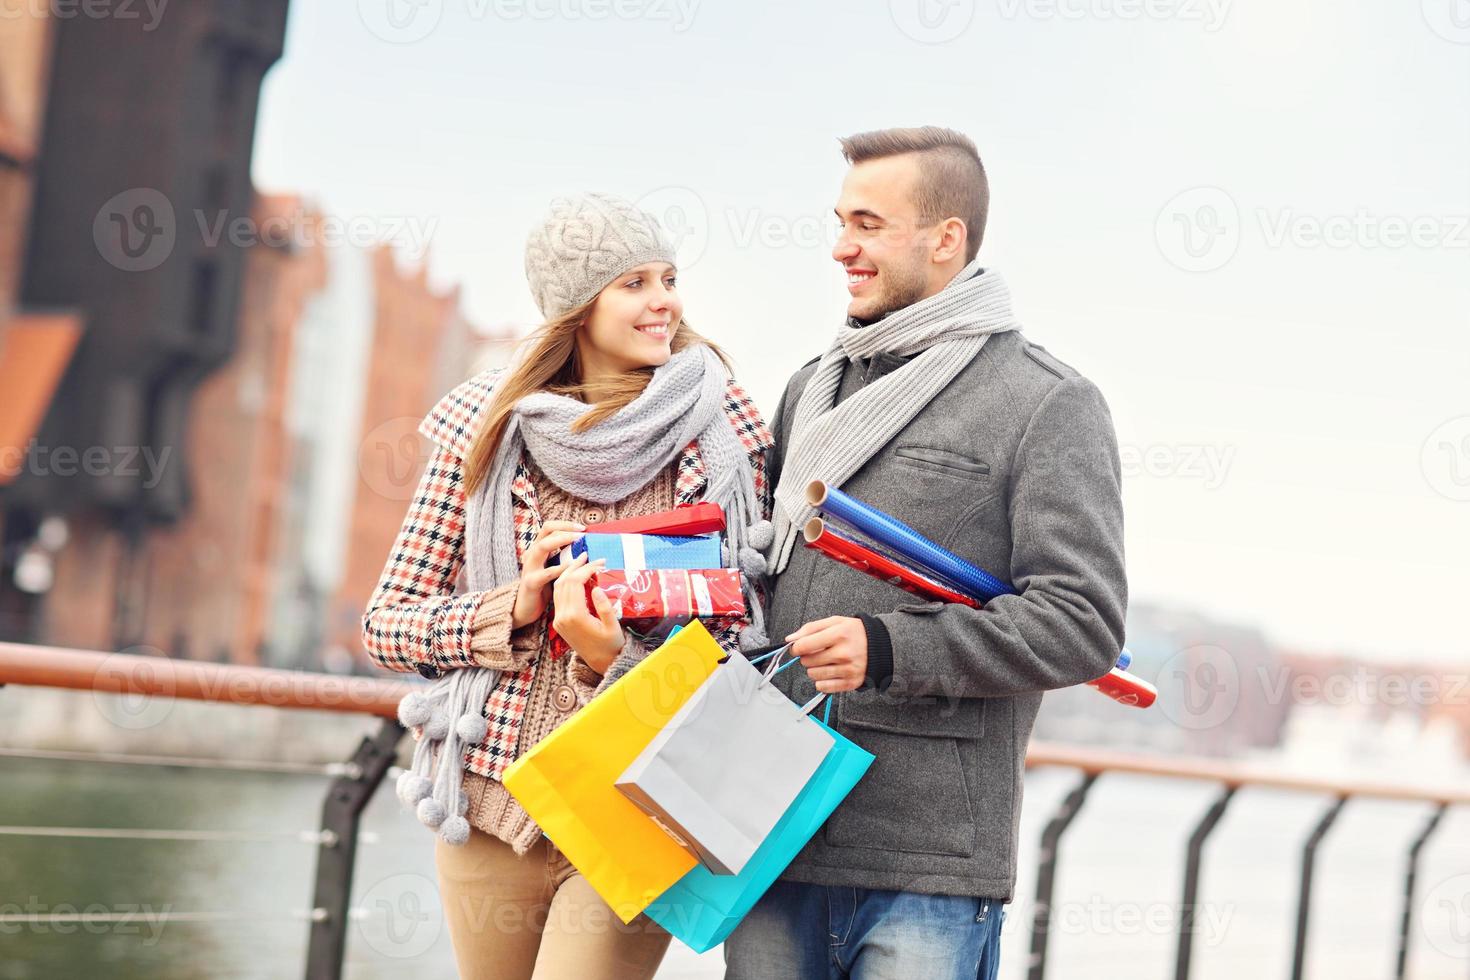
(1248, 221)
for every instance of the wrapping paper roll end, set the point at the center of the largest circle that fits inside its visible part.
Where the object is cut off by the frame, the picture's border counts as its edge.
(1126, 689)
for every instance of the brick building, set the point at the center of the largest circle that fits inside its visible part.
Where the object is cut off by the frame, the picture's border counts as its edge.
(258, 388)
(25, 55)
(304, 455)
(403, 372)
(35, 345)
(361, 457)
(423, 347)
(210, 574)
(99, 190)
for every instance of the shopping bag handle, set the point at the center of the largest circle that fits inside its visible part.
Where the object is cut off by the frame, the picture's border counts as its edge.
(774, 651)
(772, 670)
(775, 666)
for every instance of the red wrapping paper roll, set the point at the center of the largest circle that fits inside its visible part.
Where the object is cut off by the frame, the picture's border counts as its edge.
(1122, 687)
(822, 538)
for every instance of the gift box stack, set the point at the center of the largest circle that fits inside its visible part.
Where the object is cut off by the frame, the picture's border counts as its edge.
(685, 795)
(664, 570)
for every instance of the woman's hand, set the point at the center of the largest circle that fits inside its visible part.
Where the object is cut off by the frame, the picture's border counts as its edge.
(536, 578)
(596, 639)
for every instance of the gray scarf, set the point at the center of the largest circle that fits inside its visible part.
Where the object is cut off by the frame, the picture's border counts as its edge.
(831, 442)
(684, 402)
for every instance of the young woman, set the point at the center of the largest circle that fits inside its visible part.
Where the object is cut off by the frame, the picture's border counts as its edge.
(614, 408)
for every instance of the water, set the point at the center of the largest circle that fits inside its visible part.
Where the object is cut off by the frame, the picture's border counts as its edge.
(1118, 889)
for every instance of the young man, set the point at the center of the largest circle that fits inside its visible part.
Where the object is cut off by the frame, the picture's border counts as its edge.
(932, 407)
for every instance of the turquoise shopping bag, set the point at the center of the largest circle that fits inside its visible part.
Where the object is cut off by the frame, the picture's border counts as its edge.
(702, 908)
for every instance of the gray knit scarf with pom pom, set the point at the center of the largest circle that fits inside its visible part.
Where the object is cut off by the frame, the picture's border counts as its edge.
(684, 402)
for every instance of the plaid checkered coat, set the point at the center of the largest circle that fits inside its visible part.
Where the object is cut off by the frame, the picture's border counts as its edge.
(420, 619)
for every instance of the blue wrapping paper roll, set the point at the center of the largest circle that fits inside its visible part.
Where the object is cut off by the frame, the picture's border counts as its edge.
(906, 542)
(912, 548)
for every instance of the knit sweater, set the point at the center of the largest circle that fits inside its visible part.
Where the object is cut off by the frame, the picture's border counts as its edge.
(420, 618)
(561, 685)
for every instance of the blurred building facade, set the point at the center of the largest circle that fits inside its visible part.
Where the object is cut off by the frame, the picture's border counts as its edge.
(306, 455)
(255, 400)
(27, 337)
(1181, 652)
(210, 573)
(25, 55)
(1226, 690)
(1396, 720)
(134, 126)
(422, 347)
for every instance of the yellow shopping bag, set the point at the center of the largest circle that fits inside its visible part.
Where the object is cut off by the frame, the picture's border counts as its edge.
(566, 782)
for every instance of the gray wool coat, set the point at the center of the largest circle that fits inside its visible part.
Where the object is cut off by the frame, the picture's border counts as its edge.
(1014, 466)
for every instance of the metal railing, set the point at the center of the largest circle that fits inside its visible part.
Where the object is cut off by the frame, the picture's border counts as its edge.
(1230, 777)
(354, 782)
(352, 785)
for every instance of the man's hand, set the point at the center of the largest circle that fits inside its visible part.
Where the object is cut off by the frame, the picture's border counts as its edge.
(834, 652)
(596, 639)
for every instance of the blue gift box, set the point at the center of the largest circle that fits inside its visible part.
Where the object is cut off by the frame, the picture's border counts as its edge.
(636, 552)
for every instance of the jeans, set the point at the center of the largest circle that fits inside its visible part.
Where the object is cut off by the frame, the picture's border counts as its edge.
(820, 932)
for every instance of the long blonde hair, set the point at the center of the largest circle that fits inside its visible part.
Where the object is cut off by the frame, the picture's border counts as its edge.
(550, 363)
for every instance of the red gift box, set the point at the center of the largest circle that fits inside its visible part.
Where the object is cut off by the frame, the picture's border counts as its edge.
(654, 601)
(687, 519)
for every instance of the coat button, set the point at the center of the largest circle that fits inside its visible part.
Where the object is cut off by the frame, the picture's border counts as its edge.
(430, 672)
(592, 516)
(565, 699)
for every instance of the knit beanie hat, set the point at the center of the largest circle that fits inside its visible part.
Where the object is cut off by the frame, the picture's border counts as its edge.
(584, 243)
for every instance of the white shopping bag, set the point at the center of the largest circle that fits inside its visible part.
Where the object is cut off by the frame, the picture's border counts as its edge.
(723, 770)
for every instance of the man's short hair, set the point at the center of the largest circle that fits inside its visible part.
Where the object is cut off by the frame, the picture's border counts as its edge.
(952, 181)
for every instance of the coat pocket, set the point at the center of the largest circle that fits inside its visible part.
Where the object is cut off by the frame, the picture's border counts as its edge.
(914, 799)
(916, 796)
(946, 461)
(931, 716)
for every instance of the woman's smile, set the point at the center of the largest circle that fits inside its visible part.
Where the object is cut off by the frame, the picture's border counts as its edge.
(658, 331)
